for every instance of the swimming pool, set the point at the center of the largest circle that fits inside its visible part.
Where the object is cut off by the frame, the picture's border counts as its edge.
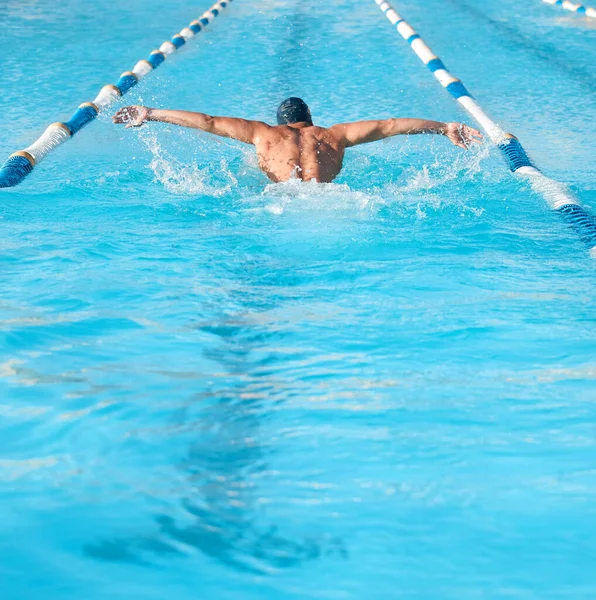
(215, 387)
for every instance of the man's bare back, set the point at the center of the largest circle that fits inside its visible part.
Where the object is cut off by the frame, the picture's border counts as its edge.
(296, 147)
(302, 152)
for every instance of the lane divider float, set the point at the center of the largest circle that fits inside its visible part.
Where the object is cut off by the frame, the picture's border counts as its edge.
(580, 9)
(21, 163)
(556, 194)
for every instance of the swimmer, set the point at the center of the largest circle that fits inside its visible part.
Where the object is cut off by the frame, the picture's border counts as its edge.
(295, 147)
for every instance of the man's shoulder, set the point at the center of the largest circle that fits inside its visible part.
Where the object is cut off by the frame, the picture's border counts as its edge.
(312, 131)
(316, 131)
(331, 134)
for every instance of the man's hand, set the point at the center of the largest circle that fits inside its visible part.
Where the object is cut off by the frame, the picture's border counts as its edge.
(133, 116)
(461, 135)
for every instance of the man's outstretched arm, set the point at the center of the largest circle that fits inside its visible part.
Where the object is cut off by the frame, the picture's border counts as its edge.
(362, 132)
(239, 129)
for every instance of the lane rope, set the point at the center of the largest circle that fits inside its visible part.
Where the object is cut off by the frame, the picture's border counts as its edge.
(580, 9)
(556, 194)
(21, 163)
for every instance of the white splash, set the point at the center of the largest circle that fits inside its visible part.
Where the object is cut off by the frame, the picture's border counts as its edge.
(181, 178)
(424, 186)
(301, 196)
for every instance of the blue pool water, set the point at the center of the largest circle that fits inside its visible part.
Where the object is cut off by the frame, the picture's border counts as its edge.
(212, 387)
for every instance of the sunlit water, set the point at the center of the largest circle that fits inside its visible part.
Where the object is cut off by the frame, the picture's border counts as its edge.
(215, 387)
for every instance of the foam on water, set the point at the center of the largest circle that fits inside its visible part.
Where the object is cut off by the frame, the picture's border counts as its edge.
(312, 197)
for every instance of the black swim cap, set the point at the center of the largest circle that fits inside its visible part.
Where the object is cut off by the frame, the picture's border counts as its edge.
(293, 110)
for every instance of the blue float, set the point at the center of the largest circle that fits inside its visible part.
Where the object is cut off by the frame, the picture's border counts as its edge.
(82, 116)
(14, 170)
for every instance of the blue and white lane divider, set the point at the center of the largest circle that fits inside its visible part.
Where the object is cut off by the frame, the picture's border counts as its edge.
(558, 197)
(580, 9)
(21, 163)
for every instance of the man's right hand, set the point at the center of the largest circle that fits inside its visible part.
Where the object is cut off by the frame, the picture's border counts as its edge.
(133, 116)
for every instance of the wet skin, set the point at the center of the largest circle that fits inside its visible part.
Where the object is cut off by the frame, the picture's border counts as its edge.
(305, 153)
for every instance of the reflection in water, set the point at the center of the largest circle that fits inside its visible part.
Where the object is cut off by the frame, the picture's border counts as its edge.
(224, 465)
